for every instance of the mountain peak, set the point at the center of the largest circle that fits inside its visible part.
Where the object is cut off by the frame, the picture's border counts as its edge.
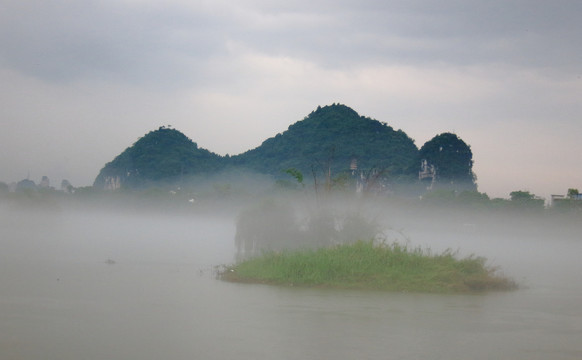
(338, 109)
(164, 154)
(333, 136)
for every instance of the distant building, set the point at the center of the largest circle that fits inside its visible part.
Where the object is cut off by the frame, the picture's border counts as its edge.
(427, 172)
(66, 187)
(45, 183)
(25, 184)
(112, 183)
(557, 200)
(354, 165)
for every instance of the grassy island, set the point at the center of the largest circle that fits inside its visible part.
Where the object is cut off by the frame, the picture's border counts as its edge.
(363, 265)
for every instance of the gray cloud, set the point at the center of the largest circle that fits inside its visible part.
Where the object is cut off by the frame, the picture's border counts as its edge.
(521, 33)
(172, 43)
(64, 41)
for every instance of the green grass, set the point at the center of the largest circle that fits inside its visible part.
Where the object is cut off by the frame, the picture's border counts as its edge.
(362, 265)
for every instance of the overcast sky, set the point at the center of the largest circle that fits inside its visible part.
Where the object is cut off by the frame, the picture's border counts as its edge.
(80, 81)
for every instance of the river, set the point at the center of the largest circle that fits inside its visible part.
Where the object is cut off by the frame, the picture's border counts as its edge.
(114, 285)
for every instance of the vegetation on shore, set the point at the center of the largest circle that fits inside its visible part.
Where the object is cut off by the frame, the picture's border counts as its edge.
(364, 265)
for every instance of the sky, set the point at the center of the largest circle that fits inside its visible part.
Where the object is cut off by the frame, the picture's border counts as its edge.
(80, 81)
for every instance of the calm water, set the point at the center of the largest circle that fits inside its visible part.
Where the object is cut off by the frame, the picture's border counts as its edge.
(59, 299)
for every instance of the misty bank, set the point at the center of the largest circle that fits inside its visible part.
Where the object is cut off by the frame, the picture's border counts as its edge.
(363, 265)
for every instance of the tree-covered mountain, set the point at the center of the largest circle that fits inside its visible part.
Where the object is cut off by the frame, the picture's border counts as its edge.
(334, 138)
(330, 141)
(452, 161)
(163, 155)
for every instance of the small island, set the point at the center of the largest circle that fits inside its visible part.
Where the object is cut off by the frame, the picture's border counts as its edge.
(368, 266)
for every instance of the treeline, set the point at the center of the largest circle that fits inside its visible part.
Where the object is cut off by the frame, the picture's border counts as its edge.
(244, 187)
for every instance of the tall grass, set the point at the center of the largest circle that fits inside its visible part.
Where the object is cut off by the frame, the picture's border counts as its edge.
(363, 265)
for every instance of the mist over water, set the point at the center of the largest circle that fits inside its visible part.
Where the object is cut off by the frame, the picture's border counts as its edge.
(60, 297)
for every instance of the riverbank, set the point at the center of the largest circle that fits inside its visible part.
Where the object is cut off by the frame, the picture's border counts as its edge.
(363, 265)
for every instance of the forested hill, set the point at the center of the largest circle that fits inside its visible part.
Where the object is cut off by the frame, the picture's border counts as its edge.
(331, 137)
(163, 155)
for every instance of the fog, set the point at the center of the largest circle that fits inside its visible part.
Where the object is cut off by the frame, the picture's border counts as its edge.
(135, 281)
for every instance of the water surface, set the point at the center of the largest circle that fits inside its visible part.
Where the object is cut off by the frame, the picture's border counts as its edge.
(60, 299)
